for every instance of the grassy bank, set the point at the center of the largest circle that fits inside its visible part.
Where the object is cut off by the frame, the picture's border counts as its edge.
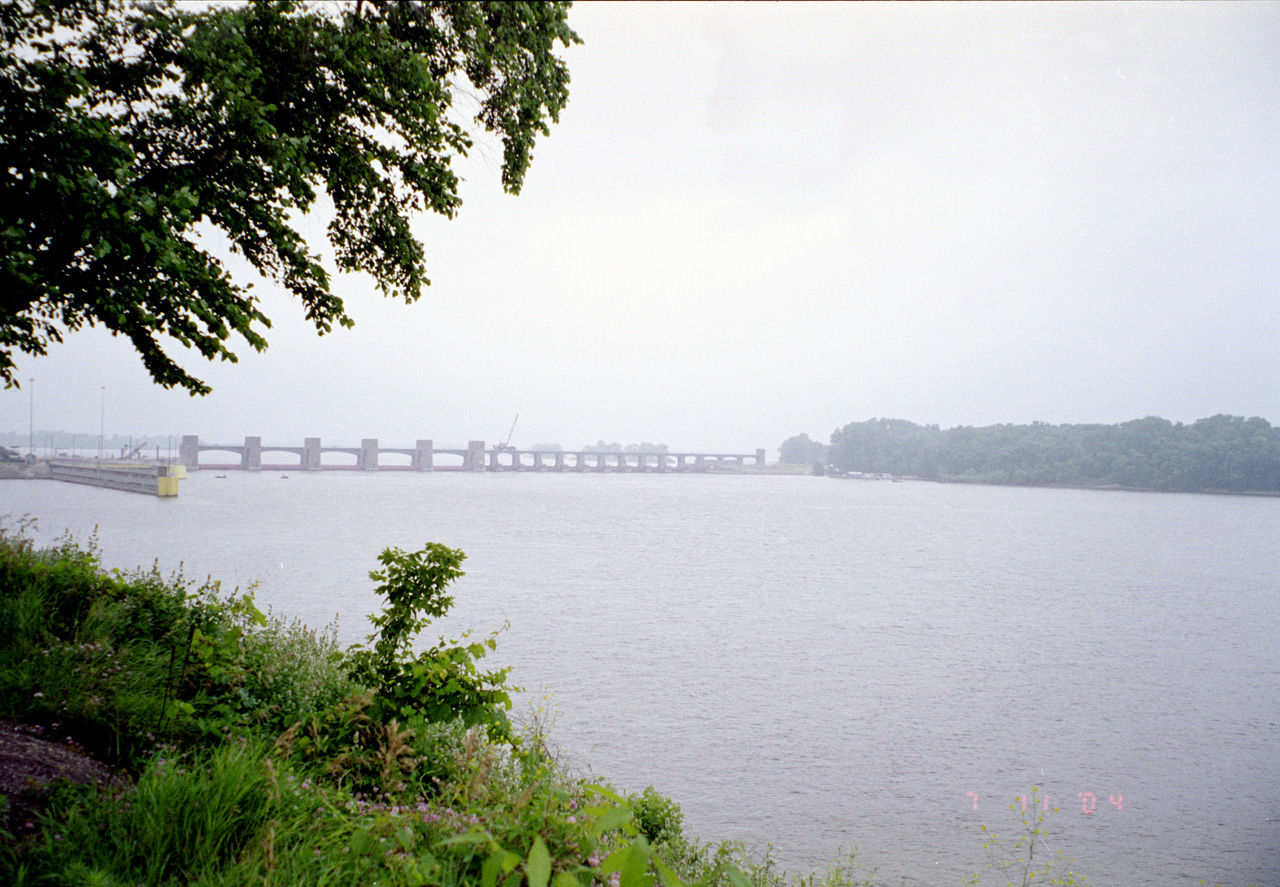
(253, 750)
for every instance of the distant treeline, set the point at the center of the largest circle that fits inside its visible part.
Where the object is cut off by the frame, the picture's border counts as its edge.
(1221, 453)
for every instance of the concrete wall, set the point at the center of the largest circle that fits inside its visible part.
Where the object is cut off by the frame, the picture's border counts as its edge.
(154, 480)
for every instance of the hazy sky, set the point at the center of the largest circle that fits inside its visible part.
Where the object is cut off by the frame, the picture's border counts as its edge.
(761, 219)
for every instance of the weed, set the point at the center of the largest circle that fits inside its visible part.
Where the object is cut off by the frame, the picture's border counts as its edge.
(1027, 856)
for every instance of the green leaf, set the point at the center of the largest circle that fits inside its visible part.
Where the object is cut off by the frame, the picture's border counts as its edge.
(489, 871)
(474, 838)
(668, 875)
(613, 862)
(605, 792)
(635, 865)
(538, 866)
(611, 818)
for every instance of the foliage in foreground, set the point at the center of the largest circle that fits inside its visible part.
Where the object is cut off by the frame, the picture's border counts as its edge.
(259, 753)
(127, 128)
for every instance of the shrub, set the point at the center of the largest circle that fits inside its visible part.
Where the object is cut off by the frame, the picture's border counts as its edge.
(443, 682)
(657, 817)
(293, 671)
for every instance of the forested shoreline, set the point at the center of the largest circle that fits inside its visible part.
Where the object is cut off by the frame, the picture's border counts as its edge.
(1222, 453)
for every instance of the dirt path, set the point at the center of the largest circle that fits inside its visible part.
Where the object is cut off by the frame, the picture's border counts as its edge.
(28, 763)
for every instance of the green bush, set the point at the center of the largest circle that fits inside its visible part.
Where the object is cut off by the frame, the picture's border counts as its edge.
(293, 671)
(657, 817)
(443, 682)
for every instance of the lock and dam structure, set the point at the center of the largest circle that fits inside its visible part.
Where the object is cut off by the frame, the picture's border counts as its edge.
(424, 456)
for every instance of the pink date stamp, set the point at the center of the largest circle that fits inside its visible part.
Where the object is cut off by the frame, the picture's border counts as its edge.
(1088, 802)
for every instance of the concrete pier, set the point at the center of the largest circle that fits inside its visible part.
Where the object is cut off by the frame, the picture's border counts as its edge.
(310, 453)
(423, 458)
(252, 458)
(151, 479)
(368, 454)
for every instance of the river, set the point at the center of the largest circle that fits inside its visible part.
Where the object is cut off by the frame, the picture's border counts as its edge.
(815, 663)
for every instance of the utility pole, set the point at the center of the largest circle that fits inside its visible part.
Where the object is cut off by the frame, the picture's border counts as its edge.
(31, 429)
(102, 423)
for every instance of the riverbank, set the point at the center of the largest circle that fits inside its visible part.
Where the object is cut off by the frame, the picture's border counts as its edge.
(166, 735)
(1106, 487)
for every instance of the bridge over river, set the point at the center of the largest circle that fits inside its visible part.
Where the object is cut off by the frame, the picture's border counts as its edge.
(423, 456)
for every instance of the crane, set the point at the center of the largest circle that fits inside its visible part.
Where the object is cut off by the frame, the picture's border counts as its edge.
(505, 443)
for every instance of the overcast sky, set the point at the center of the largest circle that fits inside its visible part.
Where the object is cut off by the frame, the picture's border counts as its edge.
(762, 219)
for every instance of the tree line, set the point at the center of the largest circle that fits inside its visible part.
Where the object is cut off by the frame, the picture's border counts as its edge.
(1221, 453)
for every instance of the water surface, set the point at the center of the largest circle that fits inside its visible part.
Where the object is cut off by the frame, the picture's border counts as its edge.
(819, 663)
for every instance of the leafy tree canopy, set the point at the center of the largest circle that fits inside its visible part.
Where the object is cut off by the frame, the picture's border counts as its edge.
(800, 450)
(1221, 453)
(126, 127)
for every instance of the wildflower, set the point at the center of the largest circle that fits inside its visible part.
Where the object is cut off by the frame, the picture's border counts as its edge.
(573, 820)
(39, 695)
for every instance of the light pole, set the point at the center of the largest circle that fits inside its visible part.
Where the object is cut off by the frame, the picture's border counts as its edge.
(31, 428)
(102, 422)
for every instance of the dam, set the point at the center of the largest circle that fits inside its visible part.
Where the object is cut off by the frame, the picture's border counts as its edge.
(424, 456)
